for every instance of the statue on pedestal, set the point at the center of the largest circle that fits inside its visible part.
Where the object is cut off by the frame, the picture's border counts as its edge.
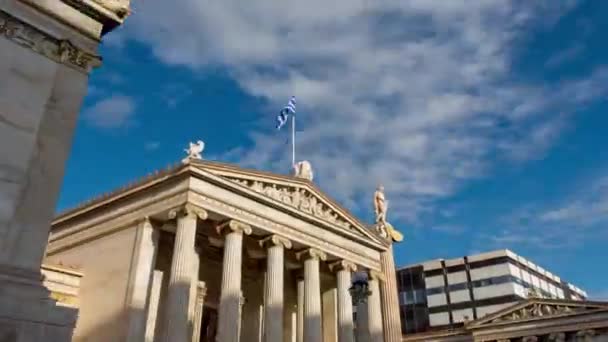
(194, 151)
(303, 169)
(383, 227)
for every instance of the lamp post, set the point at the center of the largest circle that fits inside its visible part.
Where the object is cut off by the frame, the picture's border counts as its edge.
(359, 290)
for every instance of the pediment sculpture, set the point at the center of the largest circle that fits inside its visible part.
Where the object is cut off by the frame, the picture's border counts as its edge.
(536, 310)
(298, 198)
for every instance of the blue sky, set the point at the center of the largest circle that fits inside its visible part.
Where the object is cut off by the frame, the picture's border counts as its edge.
(486, 121)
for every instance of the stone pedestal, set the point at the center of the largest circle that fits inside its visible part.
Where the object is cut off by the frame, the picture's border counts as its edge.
(47, 49)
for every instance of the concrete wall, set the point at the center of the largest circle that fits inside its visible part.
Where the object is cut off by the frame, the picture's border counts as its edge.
(106, 265)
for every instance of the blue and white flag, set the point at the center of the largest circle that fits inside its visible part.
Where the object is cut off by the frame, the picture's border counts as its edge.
(283, 116)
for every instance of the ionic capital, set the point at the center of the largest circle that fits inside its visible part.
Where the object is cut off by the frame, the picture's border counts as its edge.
(343, 265)
(311, 253)
(275, 240)
(375, 275)
(189, 210)
(233, 226)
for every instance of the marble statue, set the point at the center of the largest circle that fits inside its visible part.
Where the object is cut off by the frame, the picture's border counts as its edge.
(380, 205)
(122, 8)
(194, 151)
(303, 169)
(384, 228)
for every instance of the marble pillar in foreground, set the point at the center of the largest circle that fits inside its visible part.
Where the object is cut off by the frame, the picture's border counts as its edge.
(230, 297)
(274, 306)
(312, 294)
(177, 323)
(374, 308)
(47, 50)
(343, 270)
(390, 298)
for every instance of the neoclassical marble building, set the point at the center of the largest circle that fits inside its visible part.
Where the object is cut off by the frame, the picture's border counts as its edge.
(206, 251)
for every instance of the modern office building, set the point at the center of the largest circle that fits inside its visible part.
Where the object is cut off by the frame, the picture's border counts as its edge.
(441, 293)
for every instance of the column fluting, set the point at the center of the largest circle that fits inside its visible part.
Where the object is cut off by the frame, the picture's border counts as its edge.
(390, 298)
(343, 271)
(374, 310)
(273, 311)
(201, 292)
(180, 278)
(230, 297)
(300, 320)
(312, 294)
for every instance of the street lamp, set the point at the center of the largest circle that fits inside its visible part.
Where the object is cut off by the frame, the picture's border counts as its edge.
(359, 290)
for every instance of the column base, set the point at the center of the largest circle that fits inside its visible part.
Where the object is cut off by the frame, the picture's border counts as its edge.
(27, 313)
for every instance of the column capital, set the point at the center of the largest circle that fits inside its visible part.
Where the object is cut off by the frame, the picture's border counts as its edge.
(343, 265)
(144, 221)
(275, 240)
(311, 253)
(189, 210)
(234, 226)
(375, 275)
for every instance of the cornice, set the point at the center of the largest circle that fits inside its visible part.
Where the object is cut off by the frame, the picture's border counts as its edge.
(61, 51)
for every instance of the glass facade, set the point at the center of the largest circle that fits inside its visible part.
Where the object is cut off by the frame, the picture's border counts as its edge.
(413, 306)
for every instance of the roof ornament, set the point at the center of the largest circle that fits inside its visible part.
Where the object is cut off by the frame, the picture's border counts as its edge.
(303, 169)
(383, 227)
(194, 151)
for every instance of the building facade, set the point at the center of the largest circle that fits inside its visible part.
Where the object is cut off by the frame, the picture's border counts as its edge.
(206, 251)
(443, 293)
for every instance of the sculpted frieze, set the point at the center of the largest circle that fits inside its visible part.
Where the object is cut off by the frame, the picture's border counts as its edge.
(298, 198)
(535, 310)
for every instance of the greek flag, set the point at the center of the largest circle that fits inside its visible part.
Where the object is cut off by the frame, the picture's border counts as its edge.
(285, 112)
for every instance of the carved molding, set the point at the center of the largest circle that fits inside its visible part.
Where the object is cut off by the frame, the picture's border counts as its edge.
(311, 253)
(275, 240)
(58, 50)
(298, 198)
(343, 265)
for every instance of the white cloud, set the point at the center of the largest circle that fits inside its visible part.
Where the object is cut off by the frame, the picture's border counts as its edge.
(416, 94)
(576, 219)
(112, 112)
(565, 56)
(151, 146)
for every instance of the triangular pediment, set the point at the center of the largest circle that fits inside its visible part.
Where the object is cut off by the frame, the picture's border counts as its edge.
(292, 193)
(536, 309)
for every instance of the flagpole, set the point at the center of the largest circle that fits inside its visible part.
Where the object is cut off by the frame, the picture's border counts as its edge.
(293, 140)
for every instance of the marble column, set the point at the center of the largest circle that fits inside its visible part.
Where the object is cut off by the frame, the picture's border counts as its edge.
(374, 310)
(230, 296)
(390, 298)
(300, 313)
(201, 292)
(343, 270)
(273, 311)
(141, 277)
(47, 50)
(312, 294)
(177, 328)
